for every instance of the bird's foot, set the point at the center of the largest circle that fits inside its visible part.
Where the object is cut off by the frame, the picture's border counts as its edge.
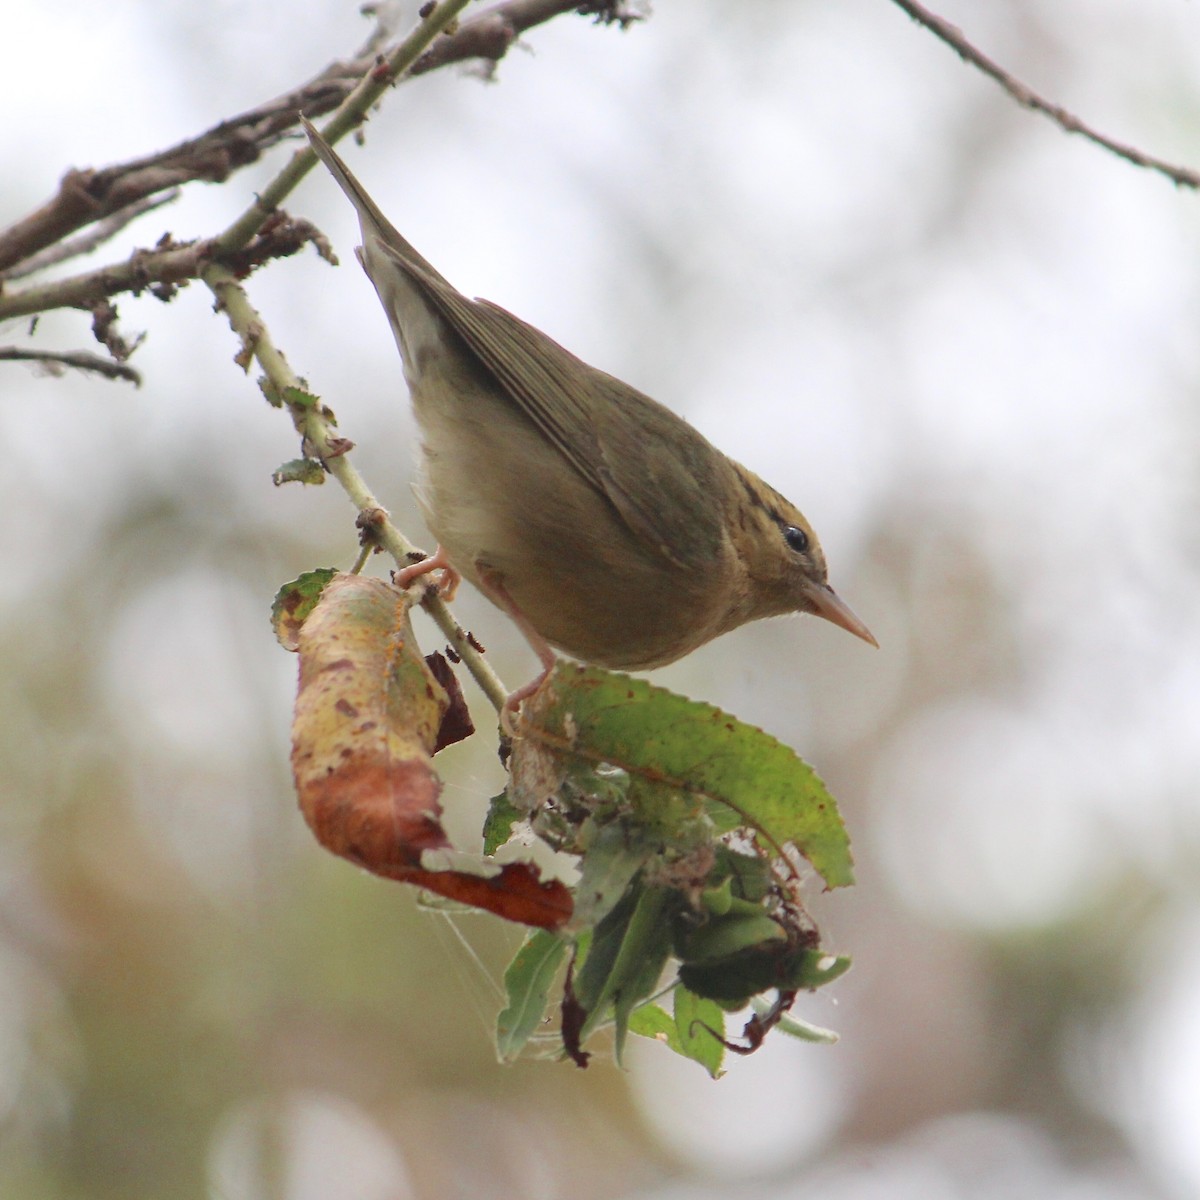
(448, 582)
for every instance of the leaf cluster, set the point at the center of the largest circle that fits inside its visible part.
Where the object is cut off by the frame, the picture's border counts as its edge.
(687, 830)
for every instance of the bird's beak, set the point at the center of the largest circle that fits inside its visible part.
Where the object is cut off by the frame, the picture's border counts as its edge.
(828, 604)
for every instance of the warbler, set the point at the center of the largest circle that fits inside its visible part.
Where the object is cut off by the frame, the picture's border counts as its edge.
(599, 520)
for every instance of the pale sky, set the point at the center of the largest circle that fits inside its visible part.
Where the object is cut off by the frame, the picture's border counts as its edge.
(860, 270)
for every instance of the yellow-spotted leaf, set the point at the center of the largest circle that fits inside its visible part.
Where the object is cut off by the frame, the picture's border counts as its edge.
(367, 721)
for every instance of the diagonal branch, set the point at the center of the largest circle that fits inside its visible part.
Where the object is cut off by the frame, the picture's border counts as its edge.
(314, 424)
(107, 228)
(89, 195)
(1028, 98)
(162, 270)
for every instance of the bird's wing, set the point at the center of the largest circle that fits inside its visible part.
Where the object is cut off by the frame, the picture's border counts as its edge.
(654, 468)
(658, 473)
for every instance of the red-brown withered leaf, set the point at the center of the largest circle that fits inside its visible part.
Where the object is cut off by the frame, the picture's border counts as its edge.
(366, 723)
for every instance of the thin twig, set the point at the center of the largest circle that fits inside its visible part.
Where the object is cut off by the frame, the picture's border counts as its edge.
(143, 269)
(491, 33)
(56, 362)
(1028, 98)
(88, 196)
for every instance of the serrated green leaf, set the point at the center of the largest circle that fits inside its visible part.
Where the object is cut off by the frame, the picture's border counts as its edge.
(294, 601)
(650, 1021)
(527, 983)
(689, 752)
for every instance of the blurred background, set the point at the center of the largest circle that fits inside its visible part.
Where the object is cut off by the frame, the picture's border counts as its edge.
(961, 340)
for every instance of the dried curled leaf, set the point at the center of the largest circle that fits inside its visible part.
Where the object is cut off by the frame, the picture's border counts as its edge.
(367, 721)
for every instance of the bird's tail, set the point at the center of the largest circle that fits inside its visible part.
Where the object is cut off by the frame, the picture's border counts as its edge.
(375, 226)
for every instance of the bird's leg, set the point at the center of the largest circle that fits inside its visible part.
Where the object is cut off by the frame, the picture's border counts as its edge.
(492, 584)
(437, 561)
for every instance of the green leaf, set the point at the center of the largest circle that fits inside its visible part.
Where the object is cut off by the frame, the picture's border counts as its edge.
(497, 826)
(270, 394)
(294, 601)
(527, 983)
(732, 982)
(612, 857)
(685, 1033)
(701, 1026)
(597, 951)
(296, 397)
(298, 470)
(723, 937)
(749, 875)
(718, 900)
(686, 754)
(640, 964)
(628, 952)
(794, 1027)
(650, 1021)
(813, 969)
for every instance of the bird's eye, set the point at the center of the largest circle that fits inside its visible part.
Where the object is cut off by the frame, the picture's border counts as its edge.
(796, 538)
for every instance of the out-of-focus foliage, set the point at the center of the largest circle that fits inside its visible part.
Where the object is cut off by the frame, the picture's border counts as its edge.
(961, 340)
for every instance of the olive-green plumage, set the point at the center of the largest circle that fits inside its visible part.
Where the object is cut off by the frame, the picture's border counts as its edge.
(604, 523)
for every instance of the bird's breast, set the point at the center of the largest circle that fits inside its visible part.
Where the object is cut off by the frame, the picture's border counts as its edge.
(498, 496)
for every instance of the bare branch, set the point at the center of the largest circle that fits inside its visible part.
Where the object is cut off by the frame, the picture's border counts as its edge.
(262, 231)
(170, 264)
(490, 34)
(90, 195)
(316, 425)
(1028, 98)
(162, 270)
(57, 362)
(85, 244)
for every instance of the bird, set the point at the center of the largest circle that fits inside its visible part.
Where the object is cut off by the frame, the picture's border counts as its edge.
(602, 523)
